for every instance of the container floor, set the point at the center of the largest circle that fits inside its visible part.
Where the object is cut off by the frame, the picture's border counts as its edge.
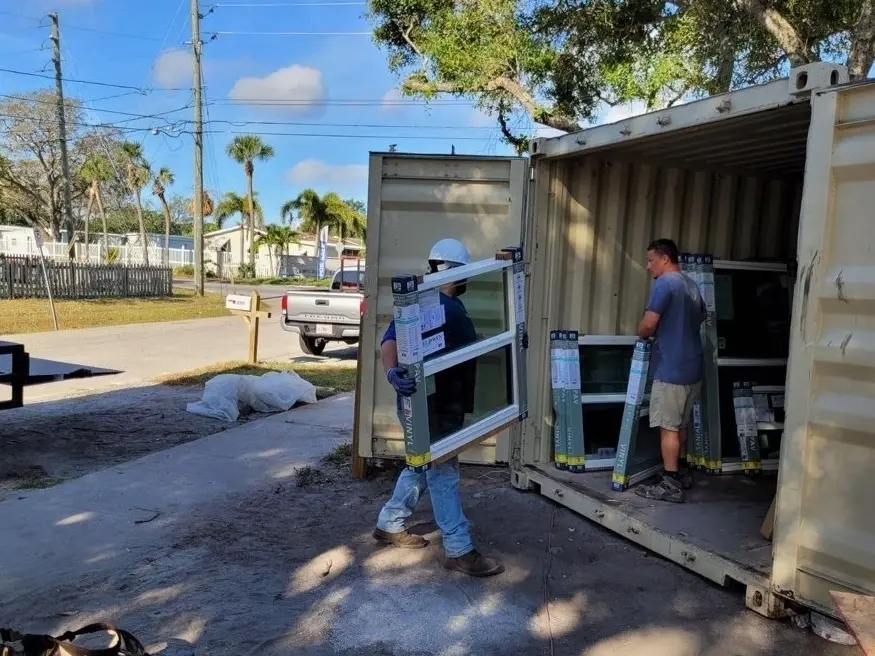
(722, 514)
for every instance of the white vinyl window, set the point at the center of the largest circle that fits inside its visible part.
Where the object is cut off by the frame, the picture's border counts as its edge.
(465, 352)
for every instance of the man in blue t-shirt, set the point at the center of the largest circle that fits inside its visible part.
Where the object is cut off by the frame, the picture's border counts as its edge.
(673, 316)
(451, 399)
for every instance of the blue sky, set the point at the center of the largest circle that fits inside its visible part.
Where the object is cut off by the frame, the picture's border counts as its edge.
(315, 72)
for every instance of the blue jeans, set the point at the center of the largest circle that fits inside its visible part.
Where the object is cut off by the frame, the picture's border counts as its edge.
(443, 484)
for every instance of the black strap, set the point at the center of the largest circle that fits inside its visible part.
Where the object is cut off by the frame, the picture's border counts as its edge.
(125, 644)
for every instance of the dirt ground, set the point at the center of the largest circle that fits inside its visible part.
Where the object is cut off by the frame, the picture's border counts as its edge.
(45, 443)
(293, 570)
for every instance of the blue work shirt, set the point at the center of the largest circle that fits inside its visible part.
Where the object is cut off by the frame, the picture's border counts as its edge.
(677, 355)
(454, 387)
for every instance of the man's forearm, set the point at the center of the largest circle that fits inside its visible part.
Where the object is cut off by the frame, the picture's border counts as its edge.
(389, 355)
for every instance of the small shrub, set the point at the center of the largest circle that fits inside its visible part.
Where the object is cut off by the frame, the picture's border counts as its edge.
(187, 270)
(340, 456)
(113, 255)
(307, 475)
(246, 270)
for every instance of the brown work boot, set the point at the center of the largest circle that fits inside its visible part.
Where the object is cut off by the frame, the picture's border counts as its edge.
(474, 563)
(402, 540)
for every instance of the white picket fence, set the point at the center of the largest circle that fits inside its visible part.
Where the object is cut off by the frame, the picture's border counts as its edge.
(96, 253)
(220, 263)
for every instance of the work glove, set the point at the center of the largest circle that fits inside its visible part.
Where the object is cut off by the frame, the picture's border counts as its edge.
(400, 383)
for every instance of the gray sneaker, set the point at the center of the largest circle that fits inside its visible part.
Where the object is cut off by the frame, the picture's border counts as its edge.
(667, 489)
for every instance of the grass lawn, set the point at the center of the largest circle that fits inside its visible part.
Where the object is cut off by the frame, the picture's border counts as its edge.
(34, 315)
(329, 379)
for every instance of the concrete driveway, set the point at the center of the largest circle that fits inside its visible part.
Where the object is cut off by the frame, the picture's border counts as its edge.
(266, 291)
(141, 352)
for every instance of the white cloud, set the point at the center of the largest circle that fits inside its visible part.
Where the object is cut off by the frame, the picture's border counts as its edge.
(300, 85)
(622, 112)
(342, 178)
(392, 101)
(173, 68)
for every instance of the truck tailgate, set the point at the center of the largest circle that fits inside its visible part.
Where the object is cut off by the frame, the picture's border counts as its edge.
(323, 307)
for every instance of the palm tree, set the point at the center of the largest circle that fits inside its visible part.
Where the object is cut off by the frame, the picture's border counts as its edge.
(316, 212)
(138, 175)
(277, 238)
(163, 179)
(244, 150)
(232, 204)
(96, 170)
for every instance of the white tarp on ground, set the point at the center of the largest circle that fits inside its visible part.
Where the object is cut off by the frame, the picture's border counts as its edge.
(227, 394)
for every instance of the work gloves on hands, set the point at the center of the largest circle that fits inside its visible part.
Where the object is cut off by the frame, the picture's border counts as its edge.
(400, 383)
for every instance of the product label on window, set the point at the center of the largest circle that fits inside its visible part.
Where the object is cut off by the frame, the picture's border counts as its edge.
(432, 344)
(431, 312)
(519, 292)
(408, 334)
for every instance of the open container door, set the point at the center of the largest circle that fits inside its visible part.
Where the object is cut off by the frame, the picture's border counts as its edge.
(824, 536)
(414, 201)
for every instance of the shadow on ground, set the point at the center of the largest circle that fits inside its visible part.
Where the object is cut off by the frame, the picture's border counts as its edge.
(292, 570)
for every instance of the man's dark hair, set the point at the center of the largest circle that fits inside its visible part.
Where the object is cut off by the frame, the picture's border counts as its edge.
(665, 247)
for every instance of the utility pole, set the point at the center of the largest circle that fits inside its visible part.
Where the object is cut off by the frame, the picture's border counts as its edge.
(62, 129)
(198, 152)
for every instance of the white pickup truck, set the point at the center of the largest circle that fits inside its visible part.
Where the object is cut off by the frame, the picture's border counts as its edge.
(320, 316)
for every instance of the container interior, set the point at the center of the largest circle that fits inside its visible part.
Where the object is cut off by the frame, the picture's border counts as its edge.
(731, 188)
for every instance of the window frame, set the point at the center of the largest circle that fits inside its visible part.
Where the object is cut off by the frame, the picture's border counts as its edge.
(407, 290)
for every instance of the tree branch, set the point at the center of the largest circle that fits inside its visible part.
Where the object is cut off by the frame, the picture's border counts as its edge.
(862, 50)
(780, 28)
(520, 143)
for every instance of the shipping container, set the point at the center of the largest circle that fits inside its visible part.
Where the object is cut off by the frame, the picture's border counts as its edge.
(782, 172)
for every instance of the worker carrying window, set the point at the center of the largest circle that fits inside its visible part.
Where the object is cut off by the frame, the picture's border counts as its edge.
(674, 315)
(451, 399)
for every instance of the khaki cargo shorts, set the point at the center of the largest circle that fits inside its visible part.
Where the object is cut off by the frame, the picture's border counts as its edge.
(671, 406)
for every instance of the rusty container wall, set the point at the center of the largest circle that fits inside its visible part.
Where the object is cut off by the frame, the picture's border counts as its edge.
(413, 201)
(594, 218)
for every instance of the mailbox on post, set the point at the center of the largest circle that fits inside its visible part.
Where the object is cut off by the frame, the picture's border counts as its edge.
(249, 309)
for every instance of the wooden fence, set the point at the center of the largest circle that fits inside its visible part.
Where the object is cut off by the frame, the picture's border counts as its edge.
(22, 277)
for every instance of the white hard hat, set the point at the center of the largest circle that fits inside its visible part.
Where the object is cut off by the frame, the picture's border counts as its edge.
(451, 251)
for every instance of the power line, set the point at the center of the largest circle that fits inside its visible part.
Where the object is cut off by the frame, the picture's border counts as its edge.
(291, 33)
(92, 82)
(241, 124)
(83, 28)
(339, 136)
(267, 102)
(292, 4)
(136, 115)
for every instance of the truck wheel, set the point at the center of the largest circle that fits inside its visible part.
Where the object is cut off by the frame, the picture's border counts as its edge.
(312, 345)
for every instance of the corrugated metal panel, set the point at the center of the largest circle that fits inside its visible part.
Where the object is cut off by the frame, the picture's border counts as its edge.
(596, 214)
(825, 526)
(614, 209)
(413, 201)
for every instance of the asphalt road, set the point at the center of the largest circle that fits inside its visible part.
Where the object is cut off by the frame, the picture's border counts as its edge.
(266, 291)
(141, 352)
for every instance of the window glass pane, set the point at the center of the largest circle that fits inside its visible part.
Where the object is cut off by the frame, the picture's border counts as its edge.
(471, 391)
(753, 314)
(605, 369)
(479, 312)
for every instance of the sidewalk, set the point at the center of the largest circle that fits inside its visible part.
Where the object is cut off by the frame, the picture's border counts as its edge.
(142, 352)
(90, 523)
